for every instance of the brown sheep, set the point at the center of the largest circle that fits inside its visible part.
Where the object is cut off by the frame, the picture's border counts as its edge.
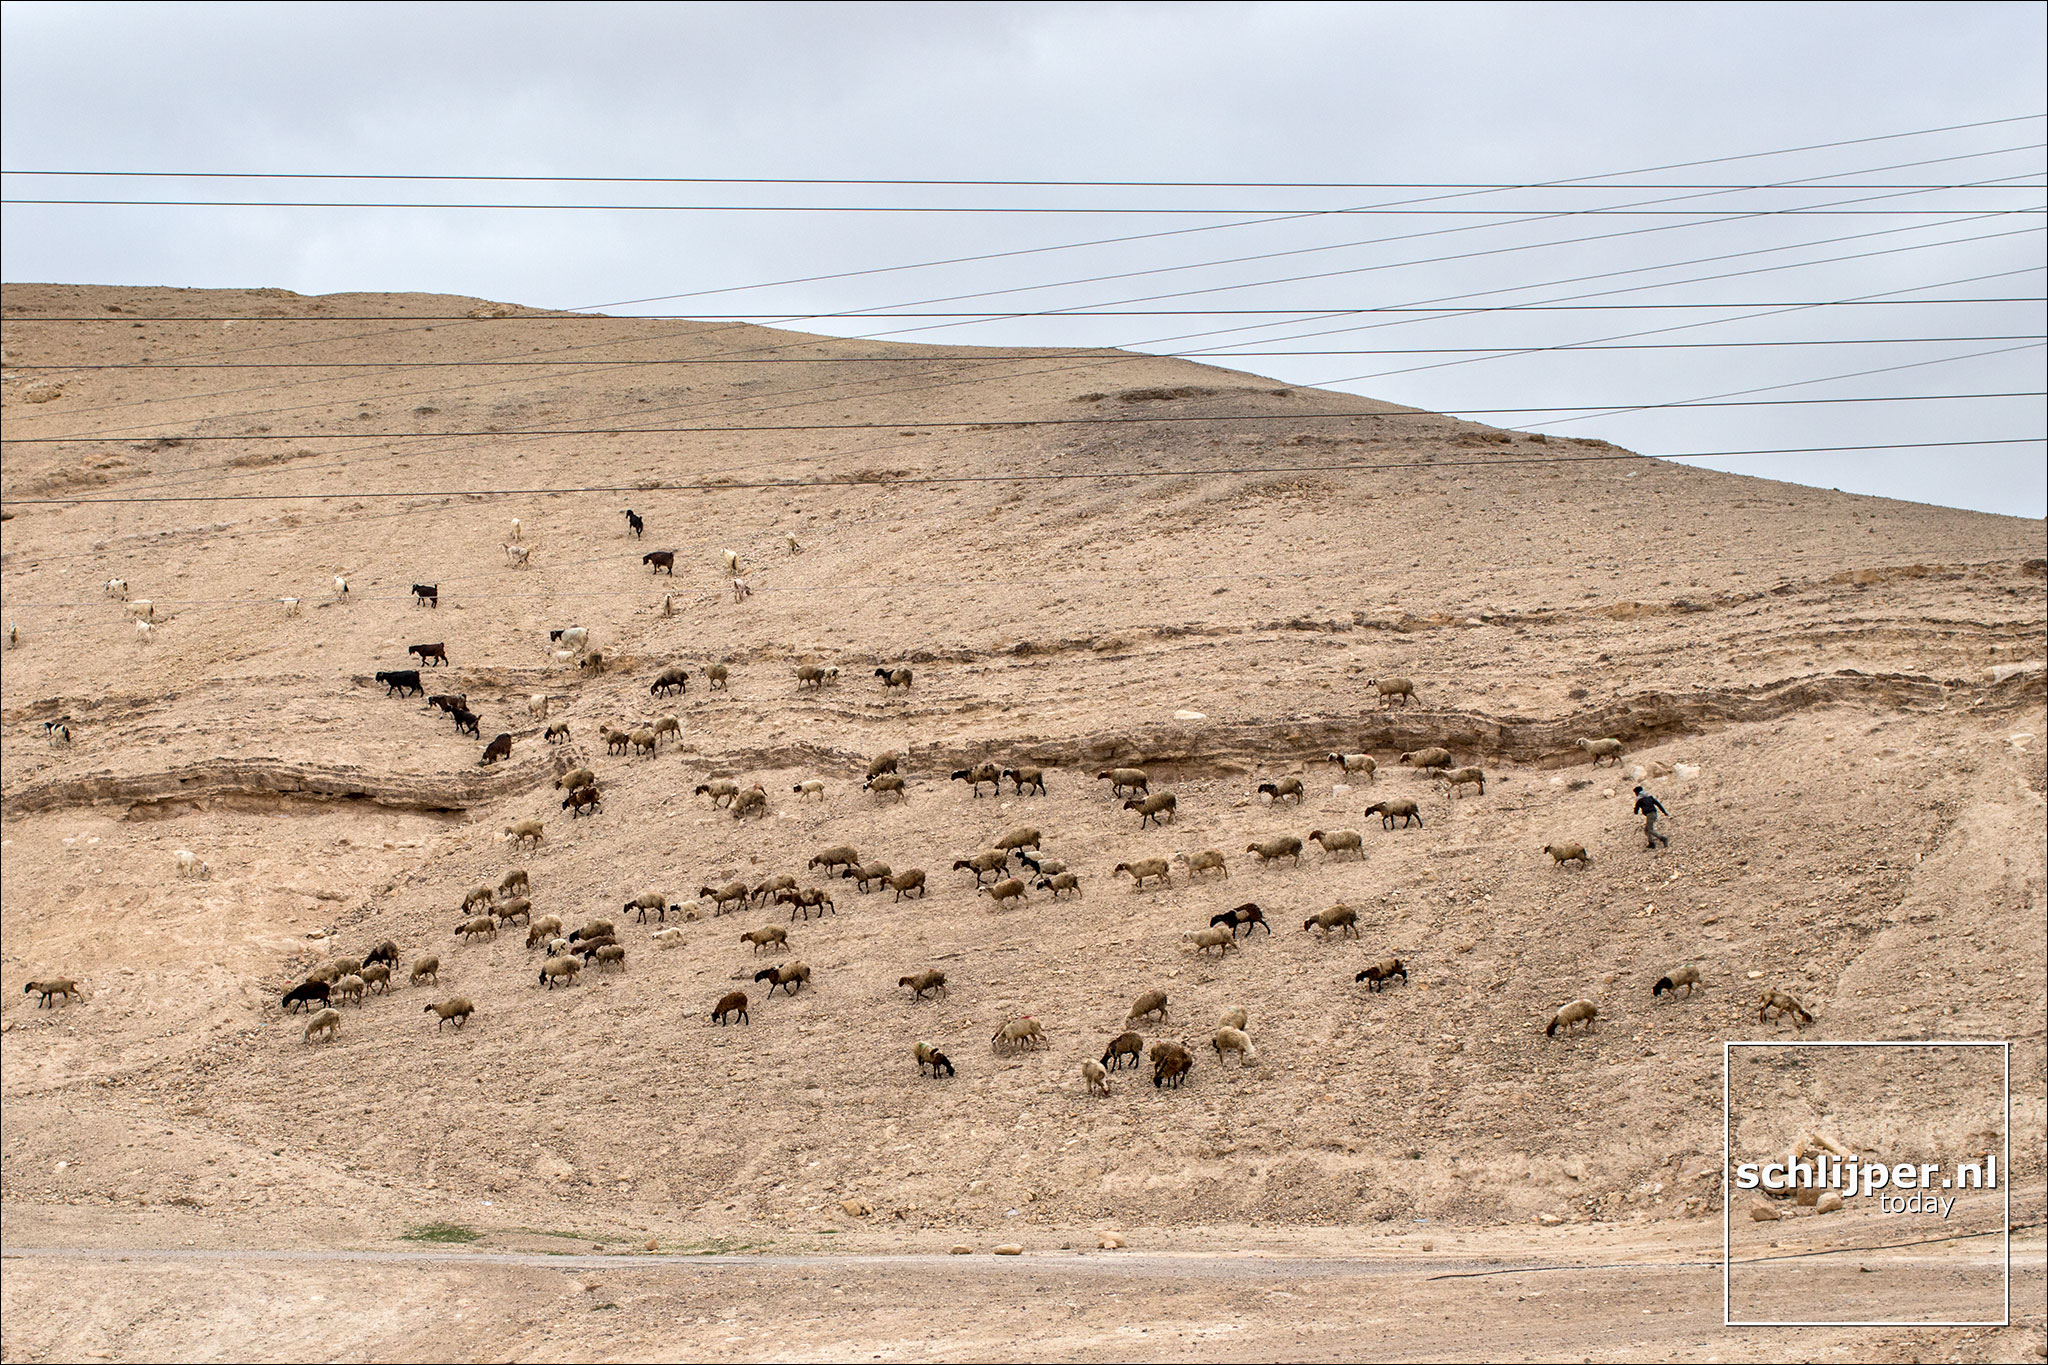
(1151, 1002)
(1153, 807)
(1786, 1007)
(1381, 972)
(1284, 788)
(731, 1003)
(1426, 759)
(1208, 860)
(1024, 836)
(1560, 854)
(1285, 846)
(1389, 688)
(1011, 889)
(1577, 1012)
(1404, 810)
(459, 1009)
(1018, 1034)
(1171, 1063)
(1121, 778)
(722, 791)
(1127, 1044)
(45, 991)
(835, 857)
(910, 879)
(1460, 778)
(483, 926)
(1338, 917)
(924, 982)
(773, 935)
(1599, 749)
(753, 801)
(722, 896)
(887, 784)
(993, 862)
(1143, 868)
(1334, 842)
(427, 968)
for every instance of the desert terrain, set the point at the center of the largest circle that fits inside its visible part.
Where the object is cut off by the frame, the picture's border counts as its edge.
(1840, 699)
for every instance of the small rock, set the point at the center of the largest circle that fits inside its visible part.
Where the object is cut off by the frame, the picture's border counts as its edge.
(1830, 1201)
(1109, 1241)
(1688, 771)
(1549, 1220)
(1009, 1249)
(652, 1245)
(1805, 1196)
(1660, 769)
(1189, 715)
(961, 1249)
(1763, 1213)
(859, 1208)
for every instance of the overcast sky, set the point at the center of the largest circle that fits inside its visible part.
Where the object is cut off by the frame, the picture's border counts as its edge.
(1369, 95)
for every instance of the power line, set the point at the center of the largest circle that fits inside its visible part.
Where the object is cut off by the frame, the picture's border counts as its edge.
(1004, 210)
(1011, 423)
(1037, 354)
(854, 481)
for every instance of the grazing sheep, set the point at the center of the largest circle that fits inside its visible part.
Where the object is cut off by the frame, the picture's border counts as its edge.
(1341, 918)
(992, 863)
(1427, 759)
(519, 556)
(753, 801)
(1170, 1063)
(978, 774)
(893, 678)
(1151, 1002)
(584, 800)
(885, 783)
(809, 899)
(481, 927)
(326, 974)
(575, 639)
(615, 741)
(458, 1008)
(57, 731)
(649, 900)
(426, 595)
(385, 952)
(376, 974)
(542, 930)
(722, 896)
(814, 677)
(324, 1024)
(401, 682)
(467, 722)
(144, 610)
(1334, 842)
(1285, 787)
(477, 895)
(1560, 854)
(741, 591)
(1141, 869)
(557, 732)
(1284, 846)
(835, 857)
(609, 955)
(810, 786)
(1687, 976)
(449, 702)
(1208, 860)
(1460, 778)
(717, 676)
(1151, 808)
(427, 968)
(663, 561)
(671, 937)
(291, 605)
(722, 791)
(1019, 1034)
(790, 977)
(1229, 1039)
(671, 677)
(1097, 1076)
(731, 1003)
(732, 561)
(1356, 763)
(1389, 688)
(350, 988)
(143, 631)
(347, 966)
(117, 587)
(1120, 779)
(882, 763)
(1220, 938)
(868, 876)
(780, 882)
(304, 994)
(560, 969)
(1020, 778)
(1600, 748)
(1785, 1006)
(1381, 972)
(189, 863)
(435, 653)
(1246, 917)
(1232, 1018)
(923, 983)
(55, 986)
(644, 742)
(597, 928)
(1126, 1044)
(1050, 867)
(1020, 838)
(501, 747)
(930, 1058)
(1008, 890)
(634, 523)
(791, 541)
(908, 880)
(1577, 1012)
(537, 706)
(340, 586)
(1404, 810)
(1063, 881)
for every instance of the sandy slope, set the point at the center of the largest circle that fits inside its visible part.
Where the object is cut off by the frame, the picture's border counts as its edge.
(1849, 676)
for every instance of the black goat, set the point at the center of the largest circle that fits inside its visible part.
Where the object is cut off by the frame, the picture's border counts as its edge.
(401, 681)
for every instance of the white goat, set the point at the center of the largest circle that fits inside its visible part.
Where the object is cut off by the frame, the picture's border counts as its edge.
(791, 541)
(518, 554)
(143, 610)
(190, 864)
(143, 630)
(516, 528)
(340, 586)
(291, 605)
(118, 587)
(740, 590)
(537, 704)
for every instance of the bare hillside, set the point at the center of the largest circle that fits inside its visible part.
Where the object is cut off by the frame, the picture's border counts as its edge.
(1087, 560)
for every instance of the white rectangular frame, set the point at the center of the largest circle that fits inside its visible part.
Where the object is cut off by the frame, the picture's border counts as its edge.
(1728, 1200)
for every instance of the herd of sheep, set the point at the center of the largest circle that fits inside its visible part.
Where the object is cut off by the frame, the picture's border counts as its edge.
(1006, 873)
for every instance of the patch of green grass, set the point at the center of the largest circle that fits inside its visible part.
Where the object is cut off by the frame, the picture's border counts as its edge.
(569, 1235)
(441, 1232)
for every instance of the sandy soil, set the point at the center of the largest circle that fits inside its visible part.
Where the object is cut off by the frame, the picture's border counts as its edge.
(1841, 700)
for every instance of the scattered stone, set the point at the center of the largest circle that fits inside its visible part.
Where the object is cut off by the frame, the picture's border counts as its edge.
(1763, 1213)
(859, 1208)
(1688, 771)
(1189, 715)
(1109, 1241)
(1549, 1220)
(961, 1249)
(1009, 1249)
(1805, 1196)
(652, 1245)
(1830, 1201)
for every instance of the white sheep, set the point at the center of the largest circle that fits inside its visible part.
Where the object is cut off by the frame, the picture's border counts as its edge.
(142, 611)
(516, 528)
(537, 705)
(519, 555)
(563, 656)
(732, 562)
(291, 605)
(118, 587)
(810, 786)
(689, 910)
(668, 938)
(144, 630)
(791, 541)
(576, 639)
(340, 586)
(740, 590)
(190, 864)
